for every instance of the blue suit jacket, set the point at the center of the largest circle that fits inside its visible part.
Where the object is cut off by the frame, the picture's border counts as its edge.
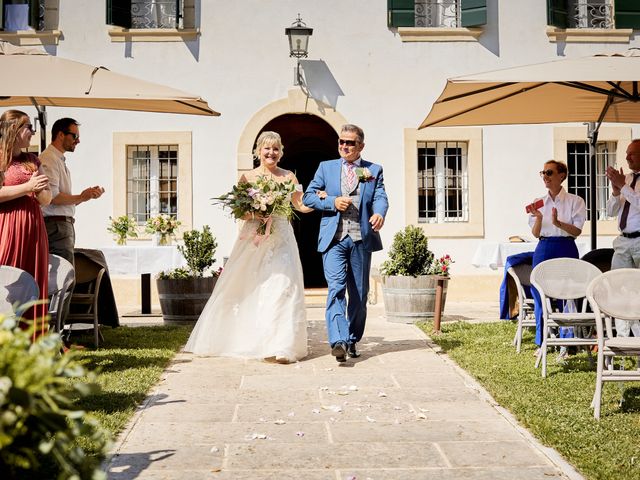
(373, 199)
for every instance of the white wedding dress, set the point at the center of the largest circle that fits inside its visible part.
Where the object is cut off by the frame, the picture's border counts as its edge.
(257, 307)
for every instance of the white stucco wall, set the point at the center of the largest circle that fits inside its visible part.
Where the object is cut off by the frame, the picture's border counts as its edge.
(240, 64)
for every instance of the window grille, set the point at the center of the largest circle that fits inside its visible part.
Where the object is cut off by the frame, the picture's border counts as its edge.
(591, 14)
(443, 184)
(152, 181)
(579, 173)
(155, 14)
(437, 13)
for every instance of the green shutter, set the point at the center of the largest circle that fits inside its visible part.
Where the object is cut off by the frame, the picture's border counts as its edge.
(627, 14)
(401, 13)
(1, 14)
(473, 13)
(558, 13)
(119, 13)
(178, 13)
(34, 14)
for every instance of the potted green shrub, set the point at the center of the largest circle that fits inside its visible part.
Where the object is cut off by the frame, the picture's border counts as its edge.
(410, 277)
(183, 292)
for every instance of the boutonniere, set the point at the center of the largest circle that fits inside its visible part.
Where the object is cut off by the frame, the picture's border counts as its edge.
(364, 175)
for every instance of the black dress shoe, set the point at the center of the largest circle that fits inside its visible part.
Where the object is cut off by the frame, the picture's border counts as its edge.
(352, 351)
(339, 350)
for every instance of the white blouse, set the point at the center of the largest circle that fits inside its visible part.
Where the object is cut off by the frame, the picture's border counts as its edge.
(571, 209)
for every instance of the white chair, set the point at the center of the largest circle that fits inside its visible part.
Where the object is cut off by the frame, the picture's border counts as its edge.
(521, 275)
(61, 276)
(17, 289)
(614, 294)
(563, 279)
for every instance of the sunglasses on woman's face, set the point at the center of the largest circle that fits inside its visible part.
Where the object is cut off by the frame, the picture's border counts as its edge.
(547, 173)
(30, 127)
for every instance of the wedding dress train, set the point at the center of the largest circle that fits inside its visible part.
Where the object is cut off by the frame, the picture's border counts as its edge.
(257, 307)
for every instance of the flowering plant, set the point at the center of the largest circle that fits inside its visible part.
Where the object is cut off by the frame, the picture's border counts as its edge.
(364, 174)
(123, 227)
(163, 224)
(440, 266)
(262, 199)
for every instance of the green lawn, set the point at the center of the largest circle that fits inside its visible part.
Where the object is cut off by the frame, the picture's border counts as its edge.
(129, 362)
(556, 409)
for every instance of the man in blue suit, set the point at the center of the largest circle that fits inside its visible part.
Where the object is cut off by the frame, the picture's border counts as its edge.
(353, 212)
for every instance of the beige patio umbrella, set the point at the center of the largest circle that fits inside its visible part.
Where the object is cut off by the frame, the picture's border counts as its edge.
(595, 89)
(44, 80)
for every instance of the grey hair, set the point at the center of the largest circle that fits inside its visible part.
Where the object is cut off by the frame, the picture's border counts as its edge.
(354, 129)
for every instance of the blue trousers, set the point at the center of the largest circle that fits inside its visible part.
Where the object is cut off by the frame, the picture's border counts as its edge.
(548, 248)
(346, 269)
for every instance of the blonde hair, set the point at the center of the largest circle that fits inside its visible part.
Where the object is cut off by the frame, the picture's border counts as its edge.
(268, 138)
(11, 122)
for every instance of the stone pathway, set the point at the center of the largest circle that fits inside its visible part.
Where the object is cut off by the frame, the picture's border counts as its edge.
(400, 411)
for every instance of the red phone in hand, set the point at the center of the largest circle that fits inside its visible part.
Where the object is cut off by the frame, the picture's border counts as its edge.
(538, 204)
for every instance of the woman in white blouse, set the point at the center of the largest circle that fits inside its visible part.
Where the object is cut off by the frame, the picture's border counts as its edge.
(556, 224)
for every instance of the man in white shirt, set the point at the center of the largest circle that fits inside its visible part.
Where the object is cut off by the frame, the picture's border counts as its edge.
(58, 216)
(625, 204)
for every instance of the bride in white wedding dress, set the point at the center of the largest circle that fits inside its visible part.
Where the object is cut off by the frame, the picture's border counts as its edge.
(257, 307)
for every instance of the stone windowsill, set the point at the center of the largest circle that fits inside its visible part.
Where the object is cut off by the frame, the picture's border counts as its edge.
(119, 34)
(589, 35)
(31, 37)
(439, 34)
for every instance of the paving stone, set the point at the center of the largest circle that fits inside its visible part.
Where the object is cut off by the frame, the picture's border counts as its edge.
(331, 379)
(492, 454)
(534, 473)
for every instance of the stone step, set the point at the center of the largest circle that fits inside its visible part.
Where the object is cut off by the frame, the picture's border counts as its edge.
(315, 297)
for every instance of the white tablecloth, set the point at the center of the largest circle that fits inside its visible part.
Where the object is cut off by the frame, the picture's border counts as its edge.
(134, 260)
(494, 254)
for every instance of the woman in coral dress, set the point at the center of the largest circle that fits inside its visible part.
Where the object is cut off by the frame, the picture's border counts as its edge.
(23, 236)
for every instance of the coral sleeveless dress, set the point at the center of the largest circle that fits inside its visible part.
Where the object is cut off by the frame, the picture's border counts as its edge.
(23, 236)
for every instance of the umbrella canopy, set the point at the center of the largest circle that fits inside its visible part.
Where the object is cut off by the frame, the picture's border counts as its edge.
(595, 89)
(599, 88)
(67, 83)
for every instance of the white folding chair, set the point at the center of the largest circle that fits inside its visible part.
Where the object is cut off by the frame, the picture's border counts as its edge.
(17, 288)
(61, 276)
(614, 294)
(563, 279)
(521, 275)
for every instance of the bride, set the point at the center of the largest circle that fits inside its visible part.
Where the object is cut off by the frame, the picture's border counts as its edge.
(257, 307)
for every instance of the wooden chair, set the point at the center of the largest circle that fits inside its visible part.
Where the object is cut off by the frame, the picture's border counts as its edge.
(83, 308)
(614, 295)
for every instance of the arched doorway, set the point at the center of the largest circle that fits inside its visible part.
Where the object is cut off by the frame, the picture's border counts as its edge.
(307, 140)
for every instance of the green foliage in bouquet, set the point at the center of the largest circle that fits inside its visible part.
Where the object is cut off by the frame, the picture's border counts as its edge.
(123, 227)
(163, 224)
(39, 426)
(198, 250)
(409, 254)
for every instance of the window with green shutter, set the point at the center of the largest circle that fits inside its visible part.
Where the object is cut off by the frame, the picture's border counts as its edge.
(558, 13)
(401, 13)
(141, 14)
(627, 14)
(473, 13)
(22, 14)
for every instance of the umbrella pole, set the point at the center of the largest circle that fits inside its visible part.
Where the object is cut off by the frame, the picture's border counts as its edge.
(593, 203)
(42, 121)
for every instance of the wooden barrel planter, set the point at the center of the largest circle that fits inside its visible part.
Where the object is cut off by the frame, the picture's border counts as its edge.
(182, 299)
(411, 299)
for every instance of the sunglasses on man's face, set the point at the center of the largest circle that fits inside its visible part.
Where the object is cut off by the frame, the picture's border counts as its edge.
(547, 173)
(73, 135)
(348, 143)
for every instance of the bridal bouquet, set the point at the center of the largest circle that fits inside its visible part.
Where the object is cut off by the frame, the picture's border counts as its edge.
(263, 198)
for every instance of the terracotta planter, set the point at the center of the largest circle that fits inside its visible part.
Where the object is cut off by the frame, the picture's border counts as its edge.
(182, 300)
(411, 299)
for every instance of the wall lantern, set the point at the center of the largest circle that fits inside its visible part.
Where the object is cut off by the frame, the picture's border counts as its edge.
(298, 34)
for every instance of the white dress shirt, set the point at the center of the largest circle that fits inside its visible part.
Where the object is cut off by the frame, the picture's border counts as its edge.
(615, 204)
(54, 167)
(571, 209)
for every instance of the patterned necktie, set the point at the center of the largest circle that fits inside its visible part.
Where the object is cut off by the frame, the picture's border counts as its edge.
(351, 176)
(627, 205)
